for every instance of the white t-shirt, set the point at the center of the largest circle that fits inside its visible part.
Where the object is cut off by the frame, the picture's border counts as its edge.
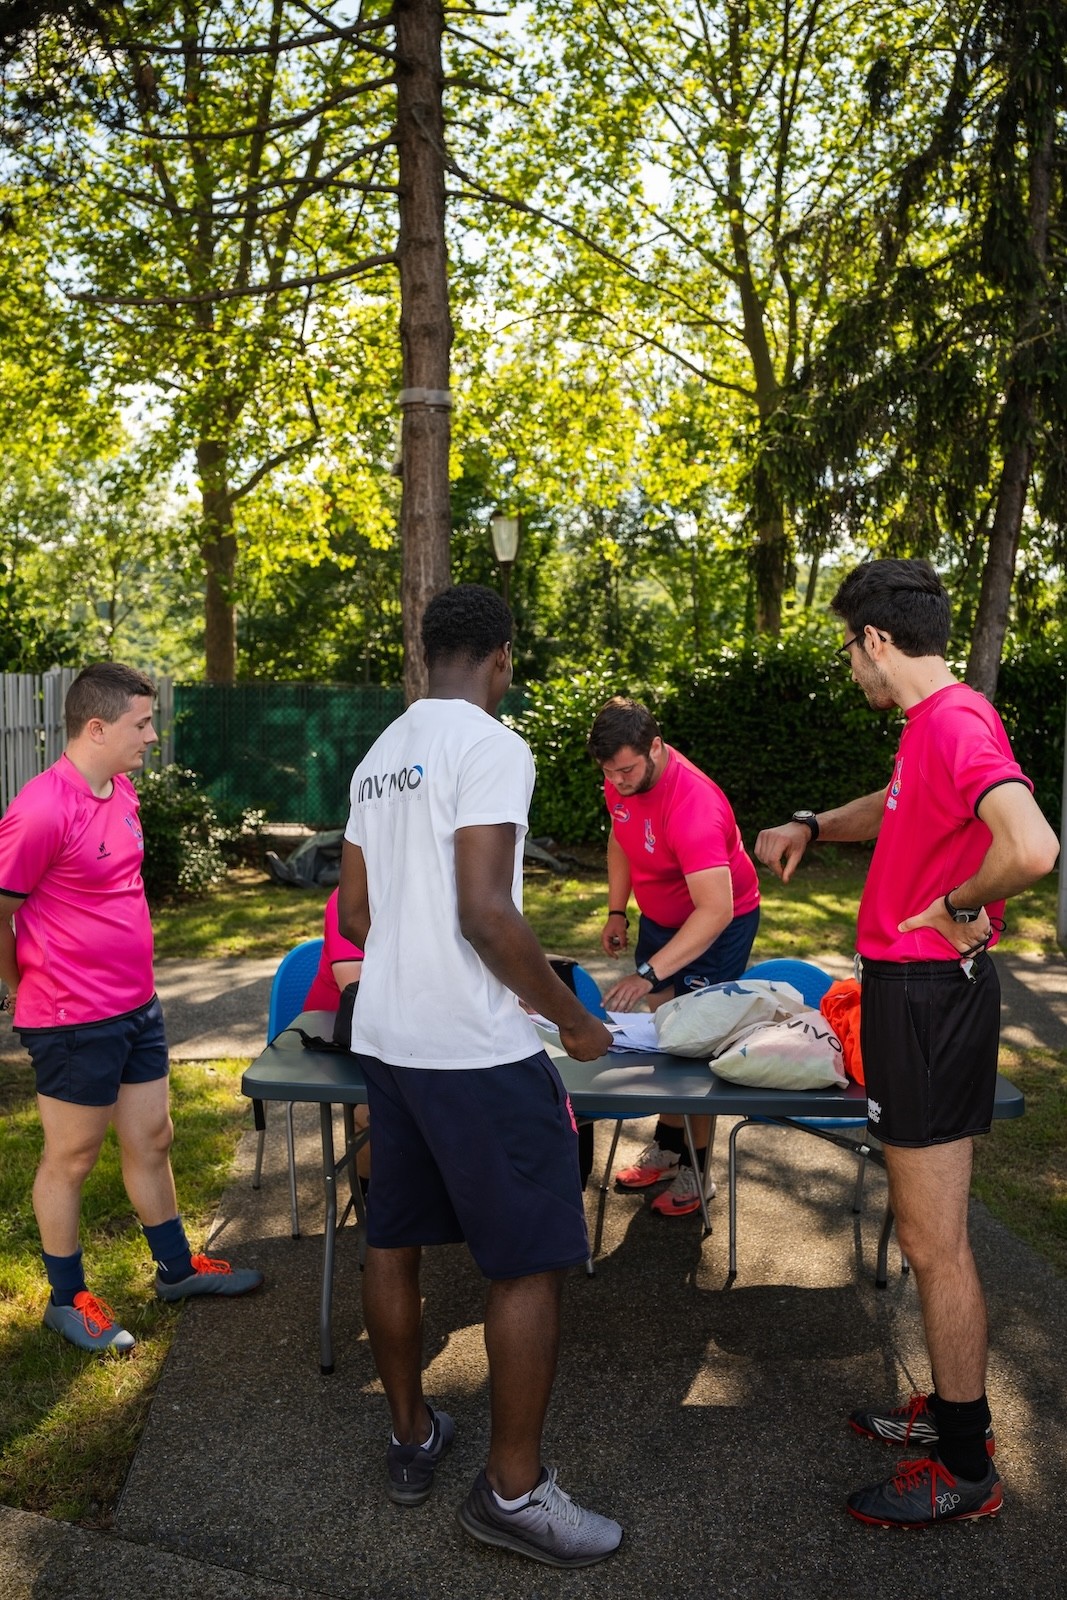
(426, 999)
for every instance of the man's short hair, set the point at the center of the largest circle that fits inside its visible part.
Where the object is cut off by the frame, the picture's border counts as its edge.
(467, 622)
(905, 598)
(619, 723)
(103, 690)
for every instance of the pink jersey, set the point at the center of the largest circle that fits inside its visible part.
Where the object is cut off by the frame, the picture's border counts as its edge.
(683, 824)
(952, 752)
(324, 994)
(83, 937)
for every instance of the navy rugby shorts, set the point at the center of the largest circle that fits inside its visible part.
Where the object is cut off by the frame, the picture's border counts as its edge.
(487, 1155)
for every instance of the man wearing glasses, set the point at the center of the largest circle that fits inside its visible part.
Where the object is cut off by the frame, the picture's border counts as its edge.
(957, 831)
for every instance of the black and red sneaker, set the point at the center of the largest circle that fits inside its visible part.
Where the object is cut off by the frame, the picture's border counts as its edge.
(912, 1425)
(924, 1494)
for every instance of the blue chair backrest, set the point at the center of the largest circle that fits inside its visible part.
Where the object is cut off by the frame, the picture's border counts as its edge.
(811, 980)
(588, 991)
(291, 983)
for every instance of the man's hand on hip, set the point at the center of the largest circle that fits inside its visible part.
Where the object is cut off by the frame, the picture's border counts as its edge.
(966, 938)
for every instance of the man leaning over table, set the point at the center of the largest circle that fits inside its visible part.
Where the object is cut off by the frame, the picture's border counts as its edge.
(76, 955)
(675, 843)
(957, 831)
(474, 1137)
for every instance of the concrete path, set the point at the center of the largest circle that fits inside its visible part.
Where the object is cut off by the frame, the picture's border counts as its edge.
(709, 1417)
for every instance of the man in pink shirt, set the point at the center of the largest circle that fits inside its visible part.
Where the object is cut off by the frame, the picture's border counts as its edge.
(674, 844)
(958, 831)
(76, 956)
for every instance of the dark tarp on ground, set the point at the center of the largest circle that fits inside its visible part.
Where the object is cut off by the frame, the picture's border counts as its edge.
(314, 863)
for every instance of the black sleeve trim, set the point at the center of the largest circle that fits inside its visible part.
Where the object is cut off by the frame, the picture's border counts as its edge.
(16, 894)
(1027, 785)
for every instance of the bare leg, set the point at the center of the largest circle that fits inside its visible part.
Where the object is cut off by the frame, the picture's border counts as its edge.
(72, 1139)
(522, 1343)
(392, 1310)
(145, 1134)
(929, 1191)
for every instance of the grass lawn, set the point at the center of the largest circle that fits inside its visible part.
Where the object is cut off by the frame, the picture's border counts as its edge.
(70, 1421)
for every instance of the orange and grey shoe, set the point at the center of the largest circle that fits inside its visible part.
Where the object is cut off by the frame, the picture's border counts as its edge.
(925, 1493)
(651, 1166)
(210, 1276)
(910, 1425)
(89, 1323)
(683, 1196)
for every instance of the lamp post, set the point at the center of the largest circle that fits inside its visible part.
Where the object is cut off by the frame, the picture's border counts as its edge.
(504, 529)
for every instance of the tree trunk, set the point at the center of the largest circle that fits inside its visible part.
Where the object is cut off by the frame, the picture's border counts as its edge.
(1017, 428)
(218, 546)
(425, 323)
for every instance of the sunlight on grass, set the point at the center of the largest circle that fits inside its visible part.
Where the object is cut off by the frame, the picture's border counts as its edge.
(1020, 1169)
(70, 1420)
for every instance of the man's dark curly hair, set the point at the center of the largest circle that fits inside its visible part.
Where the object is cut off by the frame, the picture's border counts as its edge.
(905, 598)
(621, 722)
(467, 621)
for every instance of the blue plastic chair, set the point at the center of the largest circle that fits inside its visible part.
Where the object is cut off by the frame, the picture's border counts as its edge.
(287, 994)
(811, 980)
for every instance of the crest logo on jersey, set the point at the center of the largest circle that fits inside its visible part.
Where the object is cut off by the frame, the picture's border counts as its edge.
(894, 787)
(650, 837)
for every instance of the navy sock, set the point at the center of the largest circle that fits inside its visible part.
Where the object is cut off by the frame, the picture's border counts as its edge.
(961, 1426)
(670, 1138)
(170, 1249)
(65, 1275)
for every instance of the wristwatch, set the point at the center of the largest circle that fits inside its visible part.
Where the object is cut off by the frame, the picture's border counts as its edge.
(809, 819)
(961, 913)
(645, 971)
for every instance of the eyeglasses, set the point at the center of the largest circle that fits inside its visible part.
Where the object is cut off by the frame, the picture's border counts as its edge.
(857, 638)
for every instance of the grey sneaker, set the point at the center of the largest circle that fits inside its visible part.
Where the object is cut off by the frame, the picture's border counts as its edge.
(552, 1528)
(89, 1323)
(411, 1466)
(210, 1276)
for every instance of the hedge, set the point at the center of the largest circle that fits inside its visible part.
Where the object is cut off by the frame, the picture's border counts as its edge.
(780, 726)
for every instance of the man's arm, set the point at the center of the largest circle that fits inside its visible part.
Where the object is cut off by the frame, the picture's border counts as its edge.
(491, 922)
(782, 848)
(613, 933)
(9, 967)
(712, 895)
(353, 899)
(1023, 848)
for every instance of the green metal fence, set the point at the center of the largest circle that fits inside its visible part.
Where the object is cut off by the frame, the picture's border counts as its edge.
(288, 749)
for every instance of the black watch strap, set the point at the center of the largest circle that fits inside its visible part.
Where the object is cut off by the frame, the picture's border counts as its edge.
(810, 820)
(645, 971)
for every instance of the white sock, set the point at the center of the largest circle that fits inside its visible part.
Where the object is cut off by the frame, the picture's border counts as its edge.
(513, 1505)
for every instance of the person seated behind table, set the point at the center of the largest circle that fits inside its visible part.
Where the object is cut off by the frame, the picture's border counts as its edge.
(339, 965)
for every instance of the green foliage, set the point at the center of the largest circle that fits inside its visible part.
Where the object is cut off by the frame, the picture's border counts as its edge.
(568, 801)
(1032, 700)
(185, 834)
(779, 725)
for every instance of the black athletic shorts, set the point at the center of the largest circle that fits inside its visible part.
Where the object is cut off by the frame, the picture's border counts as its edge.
(929, 1036)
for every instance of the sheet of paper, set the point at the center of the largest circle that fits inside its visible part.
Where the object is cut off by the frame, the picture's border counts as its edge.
(630, 1030)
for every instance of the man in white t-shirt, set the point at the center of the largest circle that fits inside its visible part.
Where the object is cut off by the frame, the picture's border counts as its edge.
(474, 1137)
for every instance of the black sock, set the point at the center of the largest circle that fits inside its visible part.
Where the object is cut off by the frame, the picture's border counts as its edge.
(670, 1138)
(702, 1156)
(961, 1426)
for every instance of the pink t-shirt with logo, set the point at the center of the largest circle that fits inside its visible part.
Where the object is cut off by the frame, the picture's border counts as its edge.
(952, 752)
(683, 824)
(83, 936)
(324, 995)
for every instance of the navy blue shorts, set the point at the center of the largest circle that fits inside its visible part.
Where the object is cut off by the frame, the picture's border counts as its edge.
(725, 959)
(86, 1065)
(488, 1155)
(929, 1037)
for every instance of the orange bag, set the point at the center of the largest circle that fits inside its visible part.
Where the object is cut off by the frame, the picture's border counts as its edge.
(840, 1005)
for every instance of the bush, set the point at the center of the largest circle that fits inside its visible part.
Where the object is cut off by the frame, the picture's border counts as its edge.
(568, 801)
(184, 835)
(780, 726)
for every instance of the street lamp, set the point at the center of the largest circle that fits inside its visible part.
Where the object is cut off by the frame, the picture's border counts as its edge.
(504, 529)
